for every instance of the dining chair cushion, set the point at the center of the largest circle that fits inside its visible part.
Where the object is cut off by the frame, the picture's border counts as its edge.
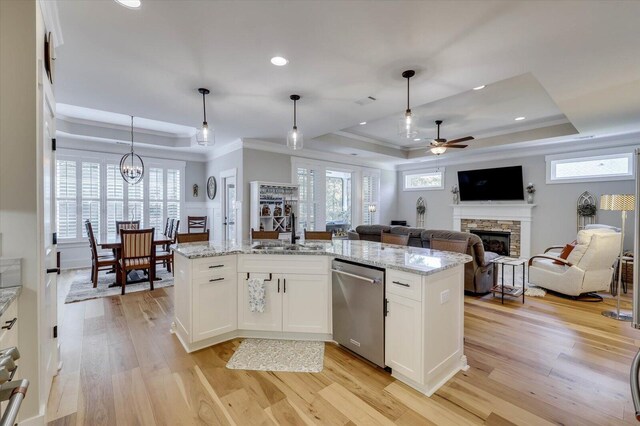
(140, 262)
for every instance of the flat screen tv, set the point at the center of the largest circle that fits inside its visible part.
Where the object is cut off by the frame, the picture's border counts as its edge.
(503, 183)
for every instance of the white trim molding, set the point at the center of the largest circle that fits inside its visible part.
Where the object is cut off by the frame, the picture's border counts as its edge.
(521, 212)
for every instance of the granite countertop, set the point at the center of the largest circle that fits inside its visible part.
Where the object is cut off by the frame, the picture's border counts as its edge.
(8, 295)
(409, 259)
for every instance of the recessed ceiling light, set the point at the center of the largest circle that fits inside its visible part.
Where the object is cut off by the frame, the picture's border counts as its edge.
(279, 61)
(479, 87)
(416, 140)
(362, 123)
(519, 118)
(354, 153)
(131, 4)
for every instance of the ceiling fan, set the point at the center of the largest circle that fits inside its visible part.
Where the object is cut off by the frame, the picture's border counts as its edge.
(439, 145)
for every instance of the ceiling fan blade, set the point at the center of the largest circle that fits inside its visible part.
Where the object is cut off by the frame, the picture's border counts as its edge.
(467, 138)
(454, 146)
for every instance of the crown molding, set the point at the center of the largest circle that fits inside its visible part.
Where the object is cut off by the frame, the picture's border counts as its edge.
(526, 149)
(96, 145)
(222, 150)
(262, 145)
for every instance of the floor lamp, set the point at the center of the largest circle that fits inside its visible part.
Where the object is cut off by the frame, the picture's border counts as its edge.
(622, 203)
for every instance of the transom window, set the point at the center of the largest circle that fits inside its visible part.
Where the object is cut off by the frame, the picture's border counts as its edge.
(603, 167)
(423, 180)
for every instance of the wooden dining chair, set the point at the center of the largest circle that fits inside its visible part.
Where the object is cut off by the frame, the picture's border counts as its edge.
(165, 254)
(137, 252)
(99, 261)
(400, 240)
(192, 238)
(127, 224)
(442, 244)
(318, 235)
(196, 222)
(167, 226)
(264, 235)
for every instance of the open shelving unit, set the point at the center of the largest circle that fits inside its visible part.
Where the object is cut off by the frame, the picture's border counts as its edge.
(272, 205)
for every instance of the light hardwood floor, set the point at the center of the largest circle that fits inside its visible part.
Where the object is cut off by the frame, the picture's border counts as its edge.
(550, 361)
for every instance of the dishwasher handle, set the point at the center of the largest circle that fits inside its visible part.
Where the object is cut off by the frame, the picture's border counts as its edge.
(359, 277)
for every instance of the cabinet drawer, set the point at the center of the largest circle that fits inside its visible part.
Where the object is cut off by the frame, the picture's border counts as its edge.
(220, 276)
(404, 284)
(283, 264)
(213, 266)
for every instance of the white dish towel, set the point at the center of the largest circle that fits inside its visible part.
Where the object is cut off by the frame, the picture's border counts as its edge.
(256, 295)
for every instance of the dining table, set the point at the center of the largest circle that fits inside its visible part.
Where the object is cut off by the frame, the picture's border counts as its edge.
(114, 242)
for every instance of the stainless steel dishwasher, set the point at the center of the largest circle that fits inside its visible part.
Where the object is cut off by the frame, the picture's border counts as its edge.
(358, 309)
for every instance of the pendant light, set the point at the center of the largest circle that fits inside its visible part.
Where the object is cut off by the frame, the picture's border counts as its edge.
(131, 165)
(295, 140)
(205, 135)
(407, 125)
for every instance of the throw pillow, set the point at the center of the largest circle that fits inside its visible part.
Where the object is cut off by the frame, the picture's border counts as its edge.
(566, 251)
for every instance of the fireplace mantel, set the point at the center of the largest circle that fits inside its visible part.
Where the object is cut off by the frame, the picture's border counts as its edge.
(521, 212)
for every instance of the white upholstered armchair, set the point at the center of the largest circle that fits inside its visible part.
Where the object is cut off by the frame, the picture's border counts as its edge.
(587, 269)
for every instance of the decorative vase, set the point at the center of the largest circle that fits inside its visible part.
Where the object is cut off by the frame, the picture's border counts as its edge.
(530, 199)
(456, 199)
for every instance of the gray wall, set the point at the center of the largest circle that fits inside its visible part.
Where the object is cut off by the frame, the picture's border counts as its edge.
(388, 196)
(233, 160)
(195, 173)
(554, 217)
(262, 166)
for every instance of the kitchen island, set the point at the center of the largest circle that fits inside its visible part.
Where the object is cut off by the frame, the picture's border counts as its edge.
(423, 298)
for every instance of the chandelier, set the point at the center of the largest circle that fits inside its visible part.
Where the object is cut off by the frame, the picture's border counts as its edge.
(131, 165)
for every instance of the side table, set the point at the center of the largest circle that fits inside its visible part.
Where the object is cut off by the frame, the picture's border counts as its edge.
(509, 289)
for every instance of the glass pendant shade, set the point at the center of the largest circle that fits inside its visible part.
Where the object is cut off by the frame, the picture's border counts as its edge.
(131, 164)
(407, 126)
(437, 150)
(205, 135)
(295, 139)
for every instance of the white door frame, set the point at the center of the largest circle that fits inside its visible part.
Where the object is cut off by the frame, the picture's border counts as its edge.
(224, 175)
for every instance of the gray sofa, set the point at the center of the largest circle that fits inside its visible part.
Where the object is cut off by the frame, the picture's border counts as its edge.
(479, 276)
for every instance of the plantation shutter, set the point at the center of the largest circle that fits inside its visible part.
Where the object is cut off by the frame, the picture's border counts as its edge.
(173, 193)
(66, 192)
(156, 196)
(114, 198)
(91, 196)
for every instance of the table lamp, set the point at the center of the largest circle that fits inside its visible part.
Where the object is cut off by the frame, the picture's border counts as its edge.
(622, 203)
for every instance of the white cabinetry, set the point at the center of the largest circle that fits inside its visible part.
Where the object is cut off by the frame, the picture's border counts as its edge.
(272, 205)
(403, 336)
(295, 302)
(9, 323)
(205, 299)
(271, 318)
(424, 327)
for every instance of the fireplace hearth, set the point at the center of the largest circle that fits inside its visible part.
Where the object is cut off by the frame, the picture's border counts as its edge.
(494, 241)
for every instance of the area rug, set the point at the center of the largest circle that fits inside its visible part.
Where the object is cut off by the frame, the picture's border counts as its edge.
(82, 287)
(510, 278)
(295, 356)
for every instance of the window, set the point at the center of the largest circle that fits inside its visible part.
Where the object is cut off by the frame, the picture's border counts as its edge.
(593, 166)
(306, 198)
(338, 200)
(370, 197)
(66, 199)
(89, 186)
(424, 180)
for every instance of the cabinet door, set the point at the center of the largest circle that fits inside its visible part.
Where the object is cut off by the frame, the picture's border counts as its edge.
(214, 306)
(305, 303)
(403, 336)
(271, 318)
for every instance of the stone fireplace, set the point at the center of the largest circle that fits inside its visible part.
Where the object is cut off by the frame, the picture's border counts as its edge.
(497, 225)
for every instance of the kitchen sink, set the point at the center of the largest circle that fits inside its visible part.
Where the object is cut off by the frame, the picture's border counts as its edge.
(286, 247)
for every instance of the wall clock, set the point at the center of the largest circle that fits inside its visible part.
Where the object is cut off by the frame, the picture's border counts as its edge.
(212, 187)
